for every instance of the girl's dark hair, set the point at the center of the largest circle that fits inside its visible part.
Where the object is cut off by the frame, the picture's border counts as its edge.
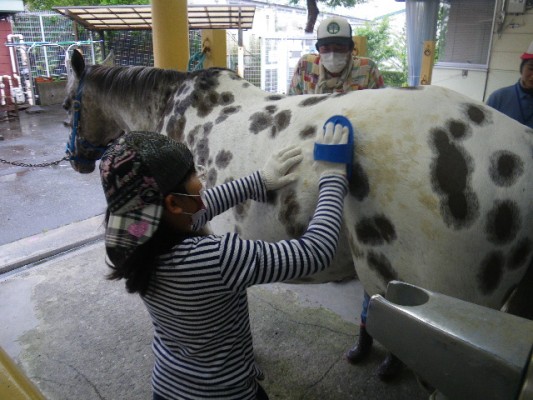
(138, 267)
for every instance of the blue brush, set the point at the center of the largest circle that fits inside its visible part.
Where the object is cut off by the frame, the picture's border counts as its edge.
(337, 153)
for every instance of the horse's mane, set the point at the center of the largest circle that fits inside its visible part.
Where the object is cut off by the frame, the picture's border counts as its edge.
(131, 81)
(137, 82)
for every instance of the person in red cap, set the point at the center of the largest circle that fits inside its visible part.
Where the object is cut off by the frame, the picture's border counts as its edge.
(516, 101)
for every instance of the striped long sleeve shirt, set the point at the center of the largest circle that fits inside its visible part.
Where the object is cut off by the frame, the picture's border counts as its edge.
(197, 298)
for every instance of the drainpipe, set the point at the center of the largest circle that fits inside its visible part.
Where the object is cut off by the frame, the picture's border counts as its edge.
(421, 26)
(10, 87)
(2, 93)
(12, 51)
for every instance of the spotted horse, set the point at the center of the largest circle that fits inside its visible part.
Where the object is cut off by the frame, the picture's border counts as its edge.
(441, 189)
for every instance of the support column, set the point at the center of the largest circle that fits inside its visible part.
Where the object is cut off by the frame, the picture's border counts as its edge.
(215, 41)
(170, 34)
(360, 46)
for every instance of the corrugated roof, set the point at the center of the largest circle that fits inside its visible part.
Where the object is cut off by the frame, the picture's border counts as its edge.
(127, 18)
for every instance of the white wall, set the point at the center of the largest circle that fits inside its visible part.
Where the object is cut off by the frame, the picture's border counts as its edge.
(507, 46)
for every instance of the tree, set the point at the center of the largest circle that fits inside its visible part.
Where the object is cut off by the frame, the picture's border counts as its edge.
(42, 5)
(386, 49)
(312, 9)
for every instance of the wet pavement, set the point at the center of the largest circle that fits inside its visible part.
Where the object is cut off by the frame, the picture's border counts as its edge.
(35, 200)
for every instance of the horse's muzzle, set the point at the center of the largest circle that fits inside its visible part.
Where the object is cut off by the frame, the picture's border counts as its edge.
(83, 167)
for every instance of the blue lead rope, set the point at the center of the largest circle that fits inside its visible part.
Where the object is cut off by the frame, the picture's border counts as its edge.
(337, 153)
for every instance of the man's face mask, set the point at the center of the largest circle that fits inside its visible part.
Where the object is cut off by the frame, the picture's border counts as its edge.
(334, 62)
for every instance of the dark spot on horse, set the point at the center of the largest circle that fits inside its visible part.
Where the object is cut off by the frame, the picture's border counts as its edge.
(274, 97)
(223, 159)
(208, 127)
(359, 185)
(281, 121)
(311, 101)
(231, 110)
(226, 98)
(226, 112)
(379, 263)
(183, 104)
(207, 103)
(221, 118)
(202, 151)
(241, 210)
(207, 81)
(229, 179)
(490, 273)
(290, 207)
(191, 137)
(503, 222)
(308, 132)
(458, 129)
(519, 254)
(505, 168)
(237, 229)
(450, 178)
(475, 113)
(175, 128)
(260, 121)
(271, 109)
(211, 178)
(375, 231)
(246, 85)
(272, 197)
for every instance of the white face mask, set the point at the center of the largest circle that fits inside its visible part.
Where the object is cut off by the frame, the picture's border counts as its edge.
(334, 62)
(196, 216)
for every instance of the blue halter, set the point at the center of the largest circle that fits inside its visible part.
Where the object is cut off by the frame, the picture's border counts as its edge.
(83, 143)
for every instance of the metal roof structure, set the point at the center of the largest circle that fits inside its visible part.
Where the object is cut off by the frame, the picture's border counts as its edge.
(129, 18)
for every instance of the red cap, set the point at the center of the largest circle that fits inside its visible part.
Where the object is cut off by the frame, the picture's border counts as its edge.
(528, 55)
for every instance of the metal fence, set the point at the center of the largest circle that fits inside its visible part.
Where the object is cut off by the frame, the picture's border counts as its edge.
(42, 41)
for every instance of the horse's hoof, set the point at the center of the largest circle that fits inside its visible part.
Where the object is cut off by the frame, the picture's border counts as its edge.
(361, 350)
(390, 368)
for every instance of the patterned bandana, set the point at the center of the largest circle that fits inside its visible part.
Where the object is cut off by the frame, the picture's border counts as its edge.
(137, 170)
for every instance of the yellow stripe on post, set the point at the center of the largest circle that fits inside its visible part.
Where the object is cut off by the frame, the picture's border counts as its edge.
(170, 34)
(360, 48)
(214, 40)
(428, 57)
(14, 385)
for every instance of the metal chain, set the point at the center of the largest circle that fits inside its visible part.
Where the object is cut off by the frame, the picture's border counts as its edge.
(47, 164)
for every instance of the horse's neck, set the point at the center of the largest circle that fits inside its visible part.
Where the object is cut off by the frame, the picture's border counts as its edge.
(137, 114)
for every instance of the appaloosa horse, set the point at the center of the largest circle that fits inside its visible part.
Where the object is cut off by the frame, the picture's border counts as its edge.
(441, 190)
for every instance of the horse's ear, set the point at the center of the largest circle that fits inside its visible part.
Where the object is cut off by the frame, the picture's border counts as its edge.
(78, 63)
(109, 60)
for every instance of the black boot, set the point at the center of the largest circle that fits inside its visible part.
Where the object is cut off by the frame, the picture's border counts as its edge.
(362, 348)
(390, 367)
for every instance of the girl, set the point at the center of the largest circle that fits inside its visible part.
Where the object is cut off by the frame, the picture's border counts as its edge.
(194, 284)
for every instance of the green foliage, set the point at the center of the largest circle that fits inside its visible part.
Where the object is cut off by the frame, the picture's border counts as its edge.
(44, 5)
(388, 50)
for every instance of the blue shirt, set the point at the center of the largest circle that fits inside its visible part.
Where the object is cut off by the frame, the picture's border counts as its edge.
(513, 102)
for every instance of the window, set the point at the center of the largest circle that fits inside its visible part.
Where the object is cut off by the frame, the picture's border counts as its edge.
(466, 33)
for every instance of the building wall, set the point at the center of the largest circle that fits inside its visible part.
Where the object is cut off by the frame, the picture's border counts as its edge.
(509, 41)
(5, 61)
